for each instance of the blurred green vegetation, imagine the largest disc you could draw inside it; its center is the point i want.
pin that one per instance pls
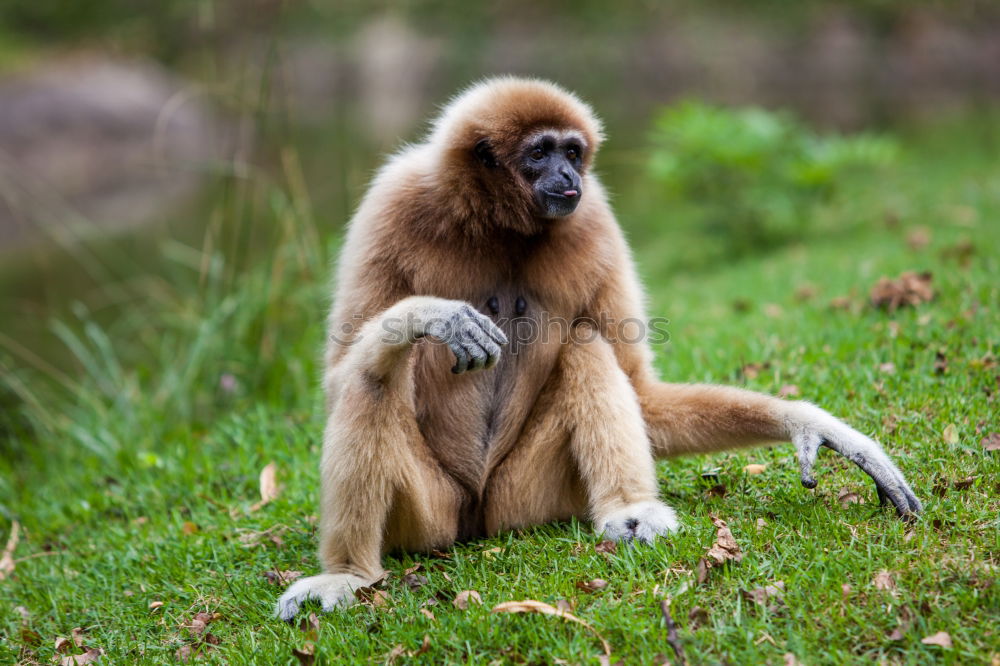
(753, 179)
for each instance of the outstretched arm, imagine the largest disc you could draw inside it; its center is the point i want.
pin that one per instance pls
(696, 418)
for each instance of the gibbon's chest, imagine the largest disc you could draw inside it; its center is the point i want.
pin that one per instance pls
(471, 420)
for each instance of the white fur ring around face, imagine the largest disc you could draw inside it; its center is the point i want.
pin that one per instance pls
(642, 521)
(331, 590)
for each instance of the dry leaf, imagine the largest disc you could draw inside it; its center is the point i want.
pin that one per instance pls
(788, 391)
(309, 623)
(88, 657)
(918, 238)
(305, 654)
(153, 605)
(752, 370)
(940, 363)
(414, 569)
(269, 488)
(491, 552)
(371, 596)
(532, 606)
(884, 581)
(963, 484)
(281, 578)
(415, 581)
(702, 569)
(888, 368)
(905, 619)
(805, 292)
(940, 638)
(754, 468)
(846, 497)
(188, 528)
(725, 548)
(718, 490)
(761, 524)
(840, 303)
(428, 614)
(950, 434)
(909, 288)
(77, 634)
(845, 590)
(463, 598)
(991, 442)
(762, 595)
(7, 558)
(564, 606)
(592, 585)
(697, 617)
(63, 644)
(607, 547)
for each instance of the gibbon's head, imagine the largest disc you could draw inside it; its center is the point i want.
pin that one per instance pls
(522, 144)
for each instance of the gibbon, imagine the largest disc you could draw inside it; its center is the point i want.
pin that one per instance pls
(439, 429)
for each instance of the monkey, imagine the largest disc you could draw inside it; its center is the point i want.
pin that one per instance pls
(439, 428)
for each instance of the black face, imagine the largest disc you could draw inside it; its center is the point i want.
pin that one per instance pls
(552, 165)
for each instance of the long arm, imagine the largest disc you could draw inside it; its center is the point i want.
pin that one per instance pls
(697, 418)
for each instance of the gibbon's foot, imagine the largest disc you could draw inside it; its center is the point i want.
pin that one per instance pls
(812, 427)
(472, 337)
(331, 590)
(642, 521)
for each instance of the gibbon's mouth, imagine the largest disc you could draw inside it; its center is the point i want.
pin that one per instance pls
(565, 194)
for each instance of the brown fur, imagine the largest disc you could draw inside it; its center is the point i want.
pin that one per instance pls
(416, 457)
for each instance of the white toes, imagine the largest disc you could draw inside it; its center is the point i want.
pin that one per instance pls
(331, 590)
(643, 521)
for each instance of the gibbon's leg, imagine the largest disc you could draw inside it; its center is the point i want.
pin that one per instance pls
(583, 451)
(697, 418)
(381, 486)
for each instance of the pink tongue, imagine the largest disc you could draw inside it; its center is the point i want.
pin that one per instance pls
(570, 193)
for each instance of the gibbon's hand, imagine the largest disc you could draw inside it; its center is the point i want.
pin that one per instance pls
(472, 337)
(811, 427)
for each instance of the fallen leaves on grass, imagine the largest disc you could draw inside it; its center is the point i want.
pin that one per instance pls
(532, 606)
(273, 534)
(88, 657)
(805, 292)
(991, 442)
(606, 547)
(763, 595)
(905, 620)
(305, 654)
(465, 597)
(401, 651)
(426, 612)
(718, 490)
(725, 549)
(697, 617)
(592, 585)
(841, 303)
(7, 558)
(761, 524)
(754, 468)
(282, 578)
(910, 288)
(884, 581)
(371, 596)
(846, 497)
(414, 580)
(269, 488)
(188, 528)
(153, 605)
(941, 638)
(918, 238)
(950, 434)
(753, 370)
(199, 623)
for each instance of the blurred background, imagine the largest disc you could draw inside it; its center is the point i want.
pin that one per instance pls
(174, 175)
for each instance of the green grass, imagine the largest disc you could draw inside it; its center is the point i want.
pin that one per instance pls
(132, 473)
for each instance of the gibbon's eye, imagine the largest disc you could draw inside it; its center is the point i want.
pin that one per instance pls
(537, 154)
(572, 154)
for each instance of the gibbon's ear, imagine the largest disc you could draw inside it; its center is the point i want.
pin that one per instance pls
(484, 153)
